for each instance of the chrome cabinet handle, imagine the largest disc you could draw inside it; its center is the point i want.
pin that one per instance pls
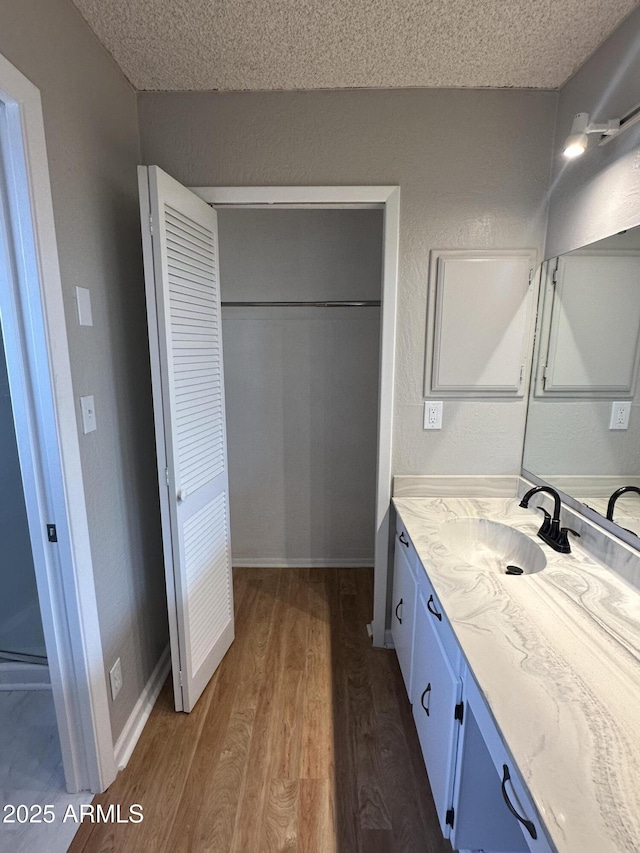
(426, 690)
(398, 605)
(528, 825)
(433, 610)
(404, 541)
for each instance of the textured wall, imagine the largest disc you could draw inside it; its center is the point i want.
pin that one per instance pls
(598, 194)
(473, 167)
(20, 622)
(301, 384)
(92, 141)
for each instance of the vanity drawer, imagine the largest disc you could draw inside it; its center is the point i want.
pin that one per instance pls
(514, 792)
(439, 619)
(404, 544)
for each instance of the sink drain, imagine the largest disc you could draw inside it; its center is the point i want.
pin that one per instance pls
(514, 570)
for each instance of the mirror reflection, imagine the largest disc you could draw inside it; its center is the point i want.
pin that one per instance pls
(583, 422)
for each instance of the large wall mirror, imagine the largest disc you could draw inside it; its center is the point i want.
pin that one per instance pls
(583, 421)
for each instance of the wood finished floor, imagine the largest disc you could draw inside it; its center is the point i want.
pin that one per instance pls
(303, 741)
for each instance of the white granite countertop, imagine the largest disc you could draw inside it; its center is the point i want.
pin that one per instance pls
(557, 656)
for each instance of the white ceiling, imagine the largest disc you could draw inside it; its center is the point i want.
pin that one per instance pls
(335, 44)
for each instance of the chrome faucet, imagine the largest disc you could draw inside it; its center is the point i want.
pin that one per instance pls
(551, 532)
(614, 497)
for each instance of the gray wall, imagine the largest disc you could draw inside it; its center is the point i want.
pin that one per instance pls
(473, 167)
(599, 193)
(301, 384)
(20, 622)
(92, 141)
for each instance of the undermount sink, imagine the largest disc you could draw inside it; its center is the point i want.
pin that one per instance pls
(491, 545)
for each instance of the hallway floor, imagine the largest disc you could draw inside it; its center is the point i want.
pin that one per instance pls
(303, 741)
(31, 774)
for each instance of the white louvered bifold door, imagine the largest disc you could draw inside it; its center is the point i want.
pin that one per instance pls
(180, 239)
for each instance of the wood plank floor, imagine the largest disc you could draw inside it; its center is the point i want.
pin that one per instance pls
(303, 741)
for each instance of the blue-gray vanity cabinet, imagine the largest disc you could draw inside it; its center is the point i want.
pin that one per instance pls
(480, 798)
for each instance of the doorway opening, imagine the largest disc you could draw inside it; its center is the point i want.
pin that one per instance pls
(300, 293)
(23, 654)
(386, 199)
(47, 491)
(182, 263)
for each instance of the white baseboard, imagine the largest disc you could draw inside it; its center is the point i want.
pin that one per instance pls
(132, 730)
(24, 676)
(388, 639)
(279, 563)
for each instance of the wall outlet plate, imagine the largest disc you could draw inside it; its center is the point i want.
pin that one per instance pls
(88, 409)
(115, 677)
(620, 415)
(432, 414)
(83, 300)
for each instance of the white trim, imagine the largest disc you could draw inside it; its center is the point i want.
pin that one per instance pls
(303, 563)
(389, 198)
(42, 393)
(24, 676)
(158, 420)
(132, 730)
(388, 639)
(363, 205)
(296, 196)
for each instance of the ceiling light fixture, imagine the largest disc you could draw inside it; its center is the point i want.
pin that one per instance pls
(576, 142)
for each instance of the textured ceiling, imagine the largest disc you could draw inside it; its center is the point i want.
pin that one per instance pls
(335, 44)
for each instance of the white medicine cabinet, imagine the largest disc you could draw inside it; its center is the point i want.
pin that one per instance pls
(493, 359)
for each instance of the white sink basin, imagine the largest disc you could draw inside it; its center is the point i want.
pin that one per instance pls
(491, 545)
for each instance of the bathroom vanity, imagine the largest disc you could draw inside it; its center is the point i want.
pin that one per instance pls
(525, 687)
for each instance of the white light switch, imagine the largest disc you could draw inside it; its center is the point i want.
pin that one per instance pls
(620, 415)
(83, 298)
(88, 409)
(433, 414)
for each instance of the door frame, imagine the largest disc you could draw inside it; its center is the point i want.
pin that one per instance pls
(37, 354)
(386, 198)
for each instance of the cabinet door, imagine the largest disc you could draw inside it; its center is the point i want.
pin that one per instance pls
(403, 612)
(482, 822)
(436, 692)
(494, 356)
(514, 803)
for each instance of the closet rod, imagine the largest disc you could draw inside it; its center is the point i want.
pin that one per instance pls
(372, 303)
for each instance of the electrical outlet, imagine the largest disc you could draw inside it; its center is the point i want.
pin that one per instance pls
(620, 415)
(432, 414)
(115, 677)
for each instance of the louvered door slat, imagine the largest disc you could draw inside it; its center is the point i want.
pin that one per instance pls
(191, 388)
(182, 239)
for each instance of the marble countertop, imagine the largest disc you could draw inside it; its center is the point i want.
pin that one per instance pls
(626, 511)
(557, 656)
